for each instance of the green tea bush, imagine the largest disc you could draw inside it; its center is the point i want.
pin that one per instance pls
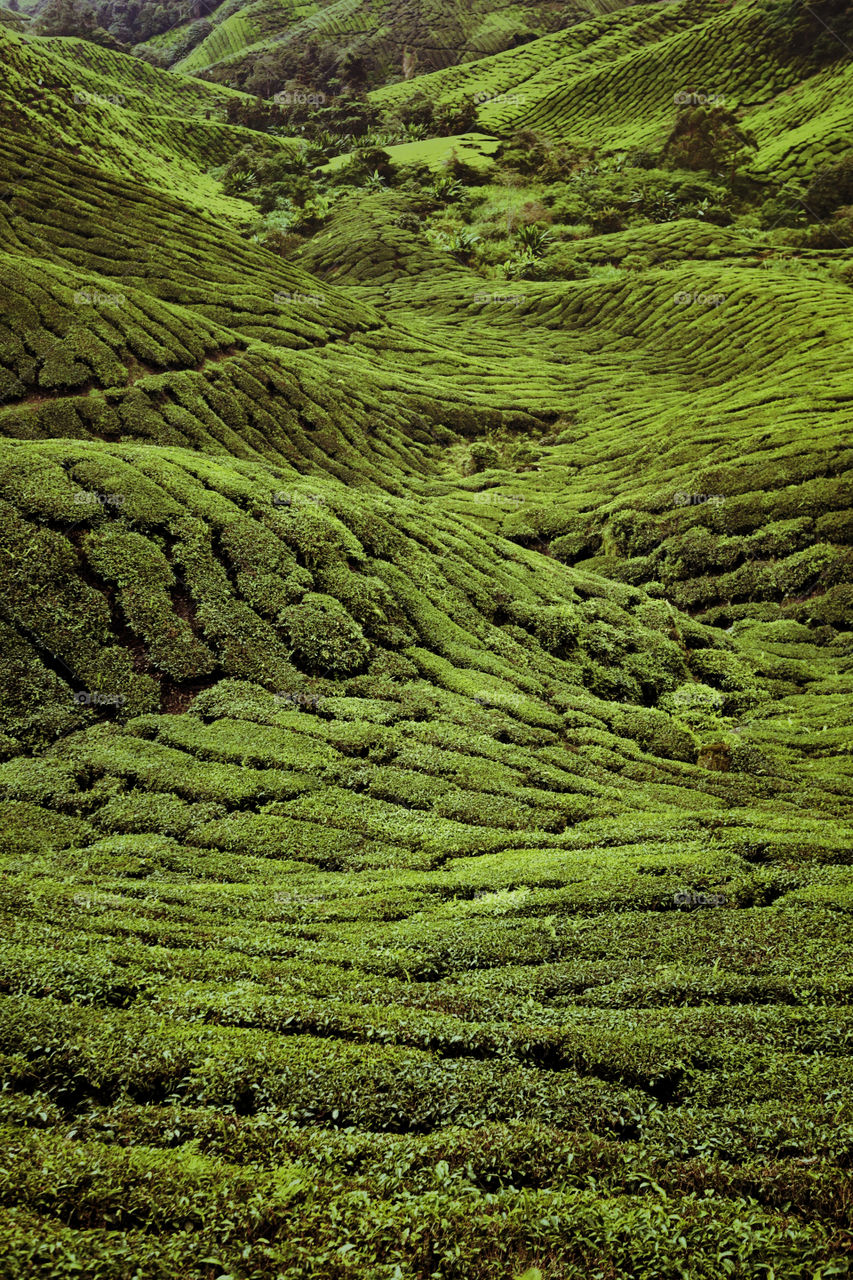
(324, 637)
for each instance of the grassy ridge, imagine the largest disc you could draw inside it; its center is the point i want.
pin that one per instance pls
(611, 82)
(238, 33)
(120, 115)
(435, 34)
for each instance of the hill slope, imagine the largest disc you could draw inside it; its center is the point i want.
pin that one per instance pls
(425, 732)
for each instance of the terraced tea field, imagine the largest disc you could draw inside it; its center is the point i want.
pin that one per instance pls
(425, 732)
(435, 33)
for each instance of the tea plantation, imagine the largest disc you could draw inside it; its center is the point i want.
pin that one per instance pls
(426, 806)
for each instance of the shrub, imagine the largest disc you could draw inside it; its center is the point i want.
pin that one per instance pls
(559, 262)
(655, 732)
(534, 239)
(324, 637)
(607, 221)
(635, 532)
(837, 234)
(707, 138)
(481, 457)
(557, 628)
(577, 543)
(640, 159)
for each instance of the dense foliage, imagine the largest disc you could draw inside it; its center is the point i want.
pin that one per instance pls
(426, 658)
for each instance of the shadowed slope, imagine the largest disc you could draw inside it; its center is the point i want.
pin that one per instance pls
(612, 82)
(376, 33)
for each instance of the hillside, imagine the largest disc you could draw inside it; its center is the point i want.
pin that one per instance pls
(426, 657)
(364, 41)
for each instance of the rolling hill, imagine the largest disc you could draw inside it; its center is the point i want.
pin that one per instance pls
(426, 657)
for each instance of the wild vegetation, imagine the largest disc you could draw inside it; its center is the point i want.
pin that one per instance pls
(425, 728)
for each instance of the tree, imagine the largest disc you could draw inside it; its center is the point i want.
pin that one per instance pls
(831, 187)
(74, 18)
(707, 137)
(66, 18)
(819, 31)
